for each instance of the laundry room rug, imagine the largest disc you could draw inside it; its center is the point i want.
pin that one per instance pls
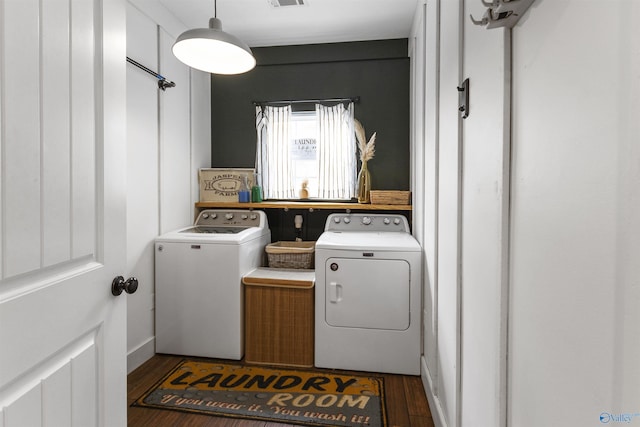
(270, 394)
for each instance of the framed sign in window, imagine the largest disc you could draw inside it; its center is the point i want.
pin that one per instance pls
(222, 185)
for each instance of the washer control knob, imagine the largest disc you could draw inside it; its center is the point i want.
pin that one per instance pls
(228, 216)
(366, 220)
(347, 220)
(253, 216)
(214, 215)
(396, 221)
(205, 216)
(245, 216)
(336, 219)
(386, 221)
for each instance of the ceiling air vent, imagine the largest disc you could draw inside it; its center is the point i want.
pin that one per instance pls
(279, 3)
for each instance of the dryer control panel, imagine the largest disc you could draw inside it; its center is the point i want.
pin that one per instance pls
(367, 222)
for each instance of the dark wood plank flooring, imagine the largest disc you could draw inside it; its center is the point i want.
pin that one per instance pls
(405, 400)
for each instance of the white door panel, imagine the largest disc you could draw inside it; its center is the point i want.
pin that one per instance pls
(55, 138)
(61, 391)
(364, 293)
(83, 176)
(62, 212)
(20, 123)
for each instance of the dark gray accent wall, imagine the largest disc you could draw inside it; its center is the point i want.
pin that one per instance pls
(376, 71)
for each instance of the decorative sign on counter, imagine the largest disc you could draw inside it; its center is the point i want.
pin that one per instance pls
(222, 185)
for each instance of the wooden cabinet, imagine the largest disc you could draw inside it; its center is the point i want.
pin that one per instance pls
(279, 317)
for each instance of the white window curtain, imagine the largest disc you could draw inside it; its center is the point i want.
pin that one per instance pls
(336, 152)
(273, 162)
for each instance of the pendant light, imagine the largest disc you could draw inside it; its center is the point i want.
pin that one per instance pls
(212, 50)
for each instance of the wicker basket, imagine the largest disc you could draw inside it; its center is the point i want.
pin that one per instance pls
(291, 254)
(390, 197)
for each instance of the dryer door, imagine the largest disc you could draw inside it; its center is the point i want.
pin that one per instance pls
(367, 293)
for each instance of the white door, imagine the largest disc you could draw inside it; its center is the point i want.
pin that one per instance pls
(62, 212)
(367, 293)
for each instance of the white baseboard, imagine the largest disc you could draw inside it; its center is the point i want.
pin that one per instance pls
(141, 354)
(434, 403)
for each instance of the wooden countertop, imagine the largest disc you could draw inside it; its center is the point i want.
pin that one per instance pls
(303, 205)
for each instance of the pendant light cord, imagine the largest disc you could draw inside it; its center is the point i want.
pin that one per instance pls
(215, 8)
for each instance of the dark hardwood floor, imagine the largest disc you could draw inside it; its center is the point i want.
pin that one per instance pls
(405, 400)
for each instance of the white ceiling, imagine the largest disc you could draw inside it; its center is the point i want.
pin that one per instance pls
(257, 23)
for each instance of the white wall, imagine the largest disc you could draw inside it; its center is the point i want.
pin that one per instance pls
(429, 242)
(484, 227)
(168, 141)
(448, 213)
(417, 91)
(575, 328)
(176, 206)
(142, 181)
(438, 24)
(531, 238)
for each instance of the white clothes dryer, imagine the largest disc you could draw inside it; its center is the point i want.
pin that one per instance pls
(199, 294)
(368, 294)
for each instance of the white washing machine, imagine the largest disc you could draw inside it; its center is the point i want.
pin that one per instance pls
(199, 293)
(368, 294)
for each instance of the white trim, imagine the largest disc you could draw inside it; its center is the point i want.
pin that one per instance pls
(505, 285)
(437, 414)
(18, 286)
(141, 354)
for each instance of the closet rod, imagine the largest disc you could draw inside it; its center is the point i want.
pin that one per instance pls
(305, 101)
(163, 83)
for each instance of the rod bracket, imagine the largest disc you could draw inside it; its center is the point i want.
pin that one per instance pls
(463, 99)
(163, 83)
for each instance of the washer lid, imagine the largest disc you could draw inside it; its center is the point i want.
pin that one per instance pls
(189, 235)
(358, 241)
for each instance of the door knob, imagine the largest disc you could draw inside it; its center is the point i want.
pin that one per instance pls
(119, 284)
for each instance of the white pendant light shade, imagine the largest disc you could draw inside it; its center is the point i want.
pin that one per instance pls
(214, 51)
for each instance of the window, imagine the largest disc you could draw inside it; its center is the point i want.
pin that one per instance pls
(311, 149)
(303, 146)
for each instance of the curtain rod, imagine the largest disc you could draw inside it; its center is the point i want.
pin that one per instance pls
(306, 101)
(163, 83)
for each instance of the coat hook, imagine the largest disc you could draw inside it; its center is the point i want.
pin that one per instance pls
(483, 21)
(491, 16)
(500, 15)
